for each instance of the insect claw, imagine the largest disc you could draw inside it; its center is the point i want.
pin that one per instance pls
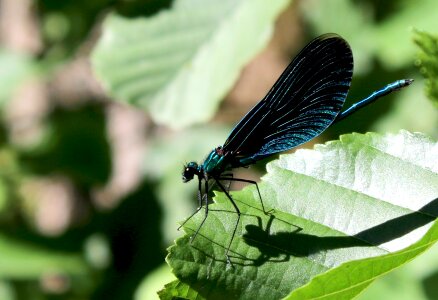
(269, 212)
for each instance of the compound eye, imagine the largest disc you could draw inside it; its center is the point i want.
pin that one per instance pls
(187, 175)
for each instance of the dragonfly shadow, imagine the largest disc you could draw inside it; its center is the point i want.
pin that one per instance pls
(281, 246)
(400, 226)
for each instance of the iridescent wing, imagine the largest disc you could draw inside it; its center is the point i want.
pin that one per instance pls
(303, 102)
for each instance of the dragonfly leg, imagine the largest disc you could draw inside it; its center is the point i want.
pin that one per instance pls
(229, 177)
(252, 182)
(237, 221)
(199, 204)
(205, 197)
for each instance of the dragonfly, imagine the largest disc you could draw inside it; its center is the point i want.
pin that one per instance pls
(306, 99)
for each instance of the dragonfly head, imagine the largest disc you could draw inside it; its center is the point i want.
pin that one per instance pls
(190, 170)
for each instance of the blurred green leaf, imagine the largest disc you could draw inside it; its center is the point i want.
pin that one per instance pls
(404, 113)
(351, 20)
(428, 62)
(6, 291)
(407, 282)
(179, 63)
(9, 176)
(15, 68)
(375, 213)
(392, 39)
(388, 40)
(3, 196)
(19, 260)
(153, 283)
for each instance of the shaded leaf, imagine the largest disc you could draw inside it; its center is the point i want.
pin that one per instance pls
(365, 205)
(179, 63)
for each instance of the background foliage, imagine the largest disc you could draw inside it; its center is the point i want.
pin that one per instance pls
(90, 189)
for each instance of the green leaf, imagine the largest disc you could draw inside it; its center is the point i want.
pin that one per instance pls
(332, 16)
(179, 63)
(392, 39)
(153, 282)
(20, 260)
(415, 280)
(365, 205)
(428, 62)
(400, 116)
(179, 290)
(388, 40)
(6, 291)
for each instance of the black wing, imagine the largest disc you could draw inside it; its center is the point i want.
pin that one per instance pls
(303, 102)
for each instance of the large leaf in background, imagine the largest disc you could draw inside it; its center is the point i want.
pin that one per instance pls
(389, 40)
(365, 204)
(179, 63)
(428, 62)
(19, 260)
(14, 69)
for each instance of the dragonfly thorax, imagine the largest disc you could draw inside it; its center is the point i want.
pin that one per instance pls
(215, 163)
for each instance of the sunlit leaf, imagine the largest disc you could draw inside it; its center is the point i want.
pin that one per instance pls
(366, 205)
